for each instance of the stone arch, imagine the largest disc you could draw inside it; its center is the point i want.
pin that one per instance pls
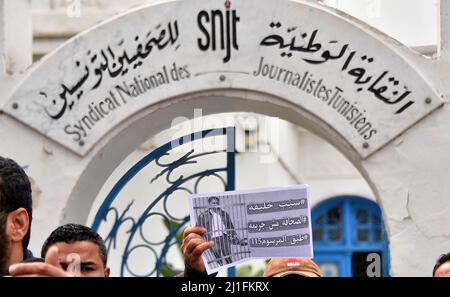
(124, 143)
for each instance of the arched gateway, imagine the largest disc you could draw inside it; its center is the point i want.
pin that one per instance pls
(107, 90)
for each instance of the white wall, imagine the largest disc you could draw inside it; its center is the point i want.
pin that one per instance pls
(15, 36)
(412, 22)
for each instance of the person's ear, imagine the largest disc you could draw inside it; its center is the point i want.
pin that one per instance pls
(107, 271)
(17, 224)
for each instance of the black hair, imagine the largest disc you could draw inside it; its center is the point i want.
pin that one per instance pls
(442, 259)
(71, 233)
(213, 198)
(15, 192)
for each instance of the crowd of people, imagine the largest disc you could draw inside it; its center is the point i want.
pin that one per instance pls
(77, 250)
(70, 250)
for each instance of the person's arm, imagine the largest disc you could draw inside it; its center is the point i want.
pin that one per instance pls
(190, 272)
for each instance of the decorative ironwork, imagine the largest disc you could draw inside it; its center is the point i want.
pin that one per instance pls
(124, 227)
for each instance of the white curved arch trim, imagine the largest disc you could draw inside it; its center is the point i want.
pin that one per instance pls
(342, 73)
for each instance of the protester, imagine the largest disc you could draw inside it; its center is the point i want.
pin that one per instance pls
(442, 267)
(15, 215)
(292, 267)
(194, 245)
(70, 250)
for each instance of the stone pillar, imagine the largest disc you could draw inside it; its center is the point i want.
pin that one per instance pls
(444, 48)
(16, 36)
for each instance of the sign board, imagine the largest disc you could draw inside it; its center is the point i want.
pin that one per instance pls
(299, 51)
(245, 225)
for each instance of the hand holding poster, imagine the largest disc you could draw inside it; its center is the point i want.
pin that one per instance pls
(245, 225)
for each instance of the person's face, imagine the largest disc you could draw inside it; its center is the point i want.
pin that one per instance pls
(4, 242)
(214, 202)
(443, 270)
(91, 264)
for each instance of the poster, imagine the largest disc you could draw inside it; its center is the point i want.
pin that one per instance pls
(254, 224)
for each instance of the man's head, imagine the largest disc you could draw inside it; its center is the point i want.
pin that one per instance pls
(85, 243)
(292, 267)
(15, 213)
(213, 201)
(442, 267)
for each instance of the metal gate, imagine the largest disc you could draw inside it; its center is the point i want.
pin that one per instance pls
(121, 223)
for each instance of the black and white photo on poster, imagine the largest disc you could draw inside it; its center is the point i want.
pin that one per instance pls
(252, 224)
